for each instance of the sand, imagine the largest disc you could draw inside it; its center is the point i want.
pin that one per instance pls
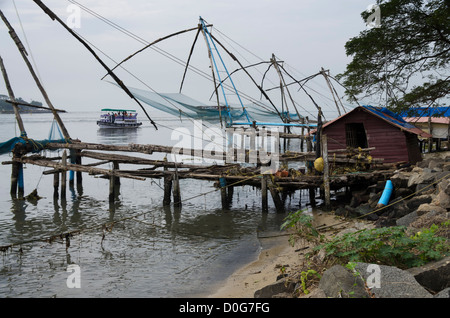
(276, 252)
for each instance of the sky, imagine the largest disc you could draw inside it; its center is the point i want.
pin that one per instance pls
(305, 34)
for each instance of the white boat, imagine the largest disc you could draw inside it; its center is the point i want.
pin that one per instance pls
(118, 118)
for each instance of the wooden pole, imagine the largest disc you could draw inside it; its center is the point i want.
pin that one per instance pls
(279, 206)
(176, 190)
(264, 203)
(312, 197)
(111, 188)
(33, 74)
(63, 175)
(223, 193)
(167, 189)
(14, 179)
(13, 99)
(326, 177)
(110, 72)
(78, 162)
(55, 185)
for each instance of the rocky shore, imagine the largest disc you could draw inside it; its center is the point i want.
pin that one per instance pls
(421, 198)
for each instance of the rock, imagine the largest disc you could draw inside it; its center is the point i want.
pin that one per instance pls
(435, 163)
(339, 282)
(428, 207)
(341, 211)
(364, 209)
(315, 293)
(399, 208)
(407, 219)
(445, 293)
(403, 192)
(281, 286)
(393, 282)
(442, 199)
(416, 201)
(435, 275)
(400, 180)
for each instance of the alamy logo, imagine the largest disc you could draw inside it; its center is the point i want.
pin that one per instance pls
(374, 279)
(74, 279)
(374, 20)
(232, 145)
(74, 19)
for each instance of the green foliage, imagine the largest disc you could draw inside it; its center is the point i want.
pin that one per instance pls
(304, 278)
(406, 59)
(389, 246)
(302, 225)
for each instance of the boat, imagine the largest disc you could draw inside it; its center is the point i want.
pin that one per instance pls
(118, 118)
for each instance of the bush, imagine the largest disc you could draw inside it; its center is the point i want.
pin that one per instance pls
(388, 246)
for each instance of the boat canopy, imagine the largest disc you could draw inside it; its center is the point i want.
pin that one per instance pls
(118, 110)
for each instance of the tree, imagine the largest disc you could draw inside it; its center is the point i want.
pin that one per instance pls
(404, 61)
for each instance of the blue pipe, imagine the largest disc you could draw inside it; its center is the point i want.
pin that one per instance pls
(386, 193)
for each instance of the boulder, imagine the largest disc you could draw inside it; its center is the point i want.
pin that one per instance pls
(416, 201)
(435, 276)
(443, 294)
(393, 282)
(400, 180)
(407, 219)
(429, 207)
(282, 286)
(339, 282)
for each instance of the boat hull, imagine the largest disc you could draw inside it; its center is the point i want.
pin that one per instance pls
(109, 125)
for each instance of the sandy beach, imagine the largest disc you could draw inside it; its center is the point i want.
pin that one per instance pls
(276, 253)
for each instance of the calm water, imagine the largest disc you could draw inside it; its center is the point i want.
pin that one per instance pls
(163, 252)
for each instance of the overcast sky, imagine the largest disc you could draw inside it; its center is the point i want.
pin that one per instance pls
(305, 34)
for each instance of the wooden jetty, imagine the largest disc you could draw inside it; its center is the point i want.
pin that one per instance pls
(225, 176)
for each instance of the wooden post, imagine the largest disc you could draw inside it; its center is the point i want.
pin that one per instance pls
(279, 206)
(14, 179)
(176, 190)
(326, 177)
(71, 172)
(116, 179)
(63, 175)
(55, 185)
(79, 173)
(167, 187)
(223, 193)
(312, 197)
(111, 189)
(264, 201)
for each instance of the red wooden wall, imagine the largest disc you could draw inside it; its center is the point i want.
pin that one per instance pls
(390, 142)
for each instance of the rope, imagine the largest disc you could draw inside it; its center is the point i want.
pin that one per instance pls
(408, 196)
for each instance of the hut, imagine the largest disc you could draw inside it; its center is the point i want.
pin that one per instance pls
(433, 120)
(393, 138)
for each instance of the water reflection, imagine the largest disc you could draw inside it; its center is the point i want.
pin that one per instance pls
(118, 136)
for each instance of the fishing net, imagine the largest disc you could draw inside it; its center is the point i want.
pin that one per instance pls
(55, 136)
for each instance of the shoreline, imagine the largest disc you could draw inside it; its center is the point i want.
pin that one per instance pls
(277, 255)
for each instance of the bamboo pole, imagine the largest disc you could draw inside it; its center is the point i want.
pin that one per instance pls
(264, 201)
(63, 175)
(167, 187)
(176, 190)
(13, 99)
(90, 170)
(326, 176)
(33, 74)
(110, 72)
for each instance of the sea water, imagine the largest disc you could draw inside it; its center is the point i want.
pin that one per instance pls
(151, 251)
